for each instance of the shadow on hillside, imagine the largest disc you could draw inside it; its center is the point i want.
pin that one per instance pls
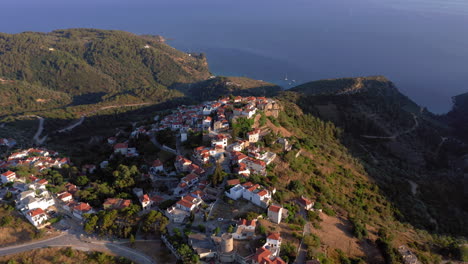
(87, 99)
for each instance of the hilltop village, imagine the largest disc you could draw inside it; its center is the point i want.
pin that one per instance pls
(202, 193)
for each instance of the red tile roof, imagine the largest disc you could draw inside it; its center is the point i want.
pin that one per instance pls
(83, 207)
(261, 255)
(233, 182)
(185, 203)
(190, 177)
(145, 198)
(43, 181)
(64, 195)
(35, 212)
(262, 193)
(274, 208)
(247, 223)
(121, 146)
(8, 174)
(305, 201)
(189, 198)
(274, 236)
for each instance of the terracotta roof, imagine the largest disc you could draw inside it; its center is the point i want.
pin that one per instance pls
(121, 146)
(261, 255)
(83, 207)
(274, 236)
(64, 195)
(274, 208)
(233, 182)
(43, 181)
(305, 201)
(190, 177)
(185, 203)
(35, 212)
(247, 223)
(247, 184)
(144, 199)
(189, 198)
(262, 193)
(8, 174)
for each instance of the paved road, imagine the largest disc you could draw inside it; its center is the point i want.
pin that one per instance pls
(75, 240)
(302, 251)
(37, 139)
(158, 145)
(82, 118)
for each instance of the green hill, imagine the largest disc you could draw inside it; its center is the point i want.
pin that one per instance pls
(222, 86)
(18, 96)
(89, 66)
(400, 144)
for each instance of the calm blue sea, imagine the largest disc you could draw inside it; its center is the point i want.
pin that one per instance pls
(422, 45)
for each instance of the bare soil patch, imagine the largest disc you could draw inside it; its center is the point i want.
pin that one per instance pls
(156, 250)
(336, 233)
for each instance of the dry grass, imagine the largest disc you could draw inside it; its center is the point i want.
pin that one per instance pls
(19, 231)
(55, 255)
(336, 233)
(156, 250)
(284, 229)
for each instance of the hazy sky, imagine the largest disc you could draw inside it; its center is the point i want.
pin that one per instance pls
(419, 44)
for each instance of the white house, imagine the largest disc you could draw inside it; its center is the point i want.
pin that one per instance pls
(145, 202)
(275, 213)
(185, 205)
(235, 192)
(253, 135)
(306, 203)
(121, 148)
(219, 140)
(29, 200)
(8, 176)
(182, 163)
(249, 112)
(65, 197)
(82, 208)
(157, 167)
(26, 194)
(183, 136)
(207, 110)
(273, 243)
(263, 256)
(250, 192)
(36, 216)
(245, 229)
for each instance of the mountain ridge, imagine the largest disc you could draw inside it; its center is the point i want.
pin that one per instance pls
(101, 66)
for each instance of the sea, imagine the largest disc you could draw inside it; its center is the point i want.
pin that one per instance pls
(421, 45)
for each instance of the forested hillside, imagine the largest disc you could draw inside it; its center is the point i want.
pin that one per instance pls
(89, 66)
(407, 150)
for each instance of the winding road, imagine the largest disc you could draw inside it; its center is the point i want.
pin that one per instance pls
(82, 118)
(76, 241)
(37, 139)
(394, 136)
